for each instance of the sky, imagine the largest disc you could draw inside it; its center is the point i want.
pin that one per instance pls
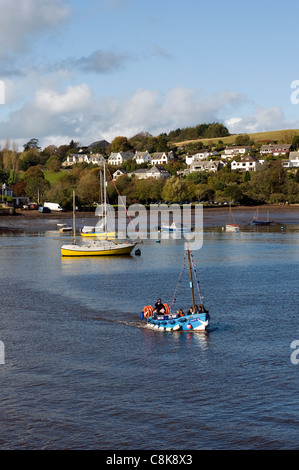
(89, 70)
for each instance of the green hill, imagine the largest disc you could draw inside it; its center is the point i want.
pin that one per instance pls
(282, 136)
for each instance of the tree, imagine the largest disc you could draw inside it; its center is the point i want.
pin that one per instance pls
(36, 184)
(198, 177)
(19, 189)
(175, 190)
(62, 191)
(216, 130)
(53, 163)
(243, 139)
(148, 190)
(246, 176)
(88, 188)
(32, 144)
(120, 144)
(29, 158)
(295, 142)
(161, 143)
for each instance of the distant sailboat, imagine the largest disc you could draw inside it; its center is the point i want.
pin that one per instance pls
(257, 221)
(231, 226)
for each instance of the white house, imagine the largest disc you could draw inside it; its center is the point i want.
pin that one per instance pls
(118, 173)
(247, 163)
(117, 158)
(294, 160)
(74, 158)
(154, 172)
(142, 157)
(96, 158)
(197, 165)
(158, 172)
(230, 152)
(202, 155)
(162, 158)
(71, 159)
(276, 149)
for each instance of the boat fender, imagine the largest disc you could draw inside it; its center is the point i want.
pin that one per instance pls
(189, 326)
(147, 311)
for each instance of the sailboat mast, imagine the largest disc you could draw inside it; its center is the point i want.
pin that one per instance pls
(74, 219)
(191, 279)
(105, 201)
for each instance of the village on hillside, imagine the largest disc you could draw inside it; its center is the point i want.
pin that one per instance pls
(239, 158)
(178, 166)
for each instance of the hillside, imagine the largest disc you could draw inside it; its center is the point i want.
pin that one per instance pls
(279, 136)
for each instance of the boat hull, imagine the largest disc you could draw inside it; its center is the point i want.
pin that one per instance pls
(232, 228)
(260, 222)
(196, 322)
(96, 250)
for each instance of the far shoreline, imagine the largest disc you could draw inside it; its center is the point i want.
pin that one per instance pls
(33, 220)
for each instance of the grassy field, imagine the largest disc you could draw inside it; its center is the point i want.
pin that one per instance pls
(52, 176)
(281, 137)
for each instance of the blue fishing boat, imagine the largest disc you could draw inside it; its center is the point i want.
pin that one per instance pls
(197, 318)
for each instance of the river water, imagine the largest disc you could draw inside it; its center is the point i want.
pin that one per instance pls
(82, 372)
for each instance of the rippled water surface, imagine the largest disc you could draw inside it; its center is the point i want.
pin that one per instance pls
(81, 371)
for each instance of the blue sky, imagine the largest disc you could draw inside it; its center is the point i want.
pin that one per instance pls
(94, 69)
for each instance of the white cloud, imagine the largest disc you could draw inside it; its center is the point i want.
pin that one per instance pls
(74, 98)
(264, 119)
(55, 116)
(20, 20)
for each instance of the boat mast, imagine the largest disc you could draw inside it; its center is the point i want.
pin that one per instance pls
(105, 202)
(191, 279)
(74, 219)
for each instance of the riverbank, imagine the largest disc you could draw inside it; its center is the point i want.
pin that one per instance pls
(32, 220)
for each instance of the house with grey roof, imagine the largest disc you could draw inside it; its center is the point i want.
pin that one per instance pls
(142, 157)
(204, 165)
(276, 149)
(247, 163)
(117, 158)
(162, 158)
(154, 172)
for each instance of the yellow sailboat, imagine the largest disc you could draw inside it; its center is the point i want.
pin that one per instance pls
(98, 248)
(95, 248)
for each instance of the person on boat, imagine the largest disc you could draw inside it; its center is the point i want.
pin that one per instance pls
(193, 310)
(202, 309)
(159, 308)
(180, 313)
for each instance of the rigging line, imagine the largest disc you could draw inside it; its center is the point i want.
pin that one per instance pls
(179, 280)
(124, 206)
(195, 275)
